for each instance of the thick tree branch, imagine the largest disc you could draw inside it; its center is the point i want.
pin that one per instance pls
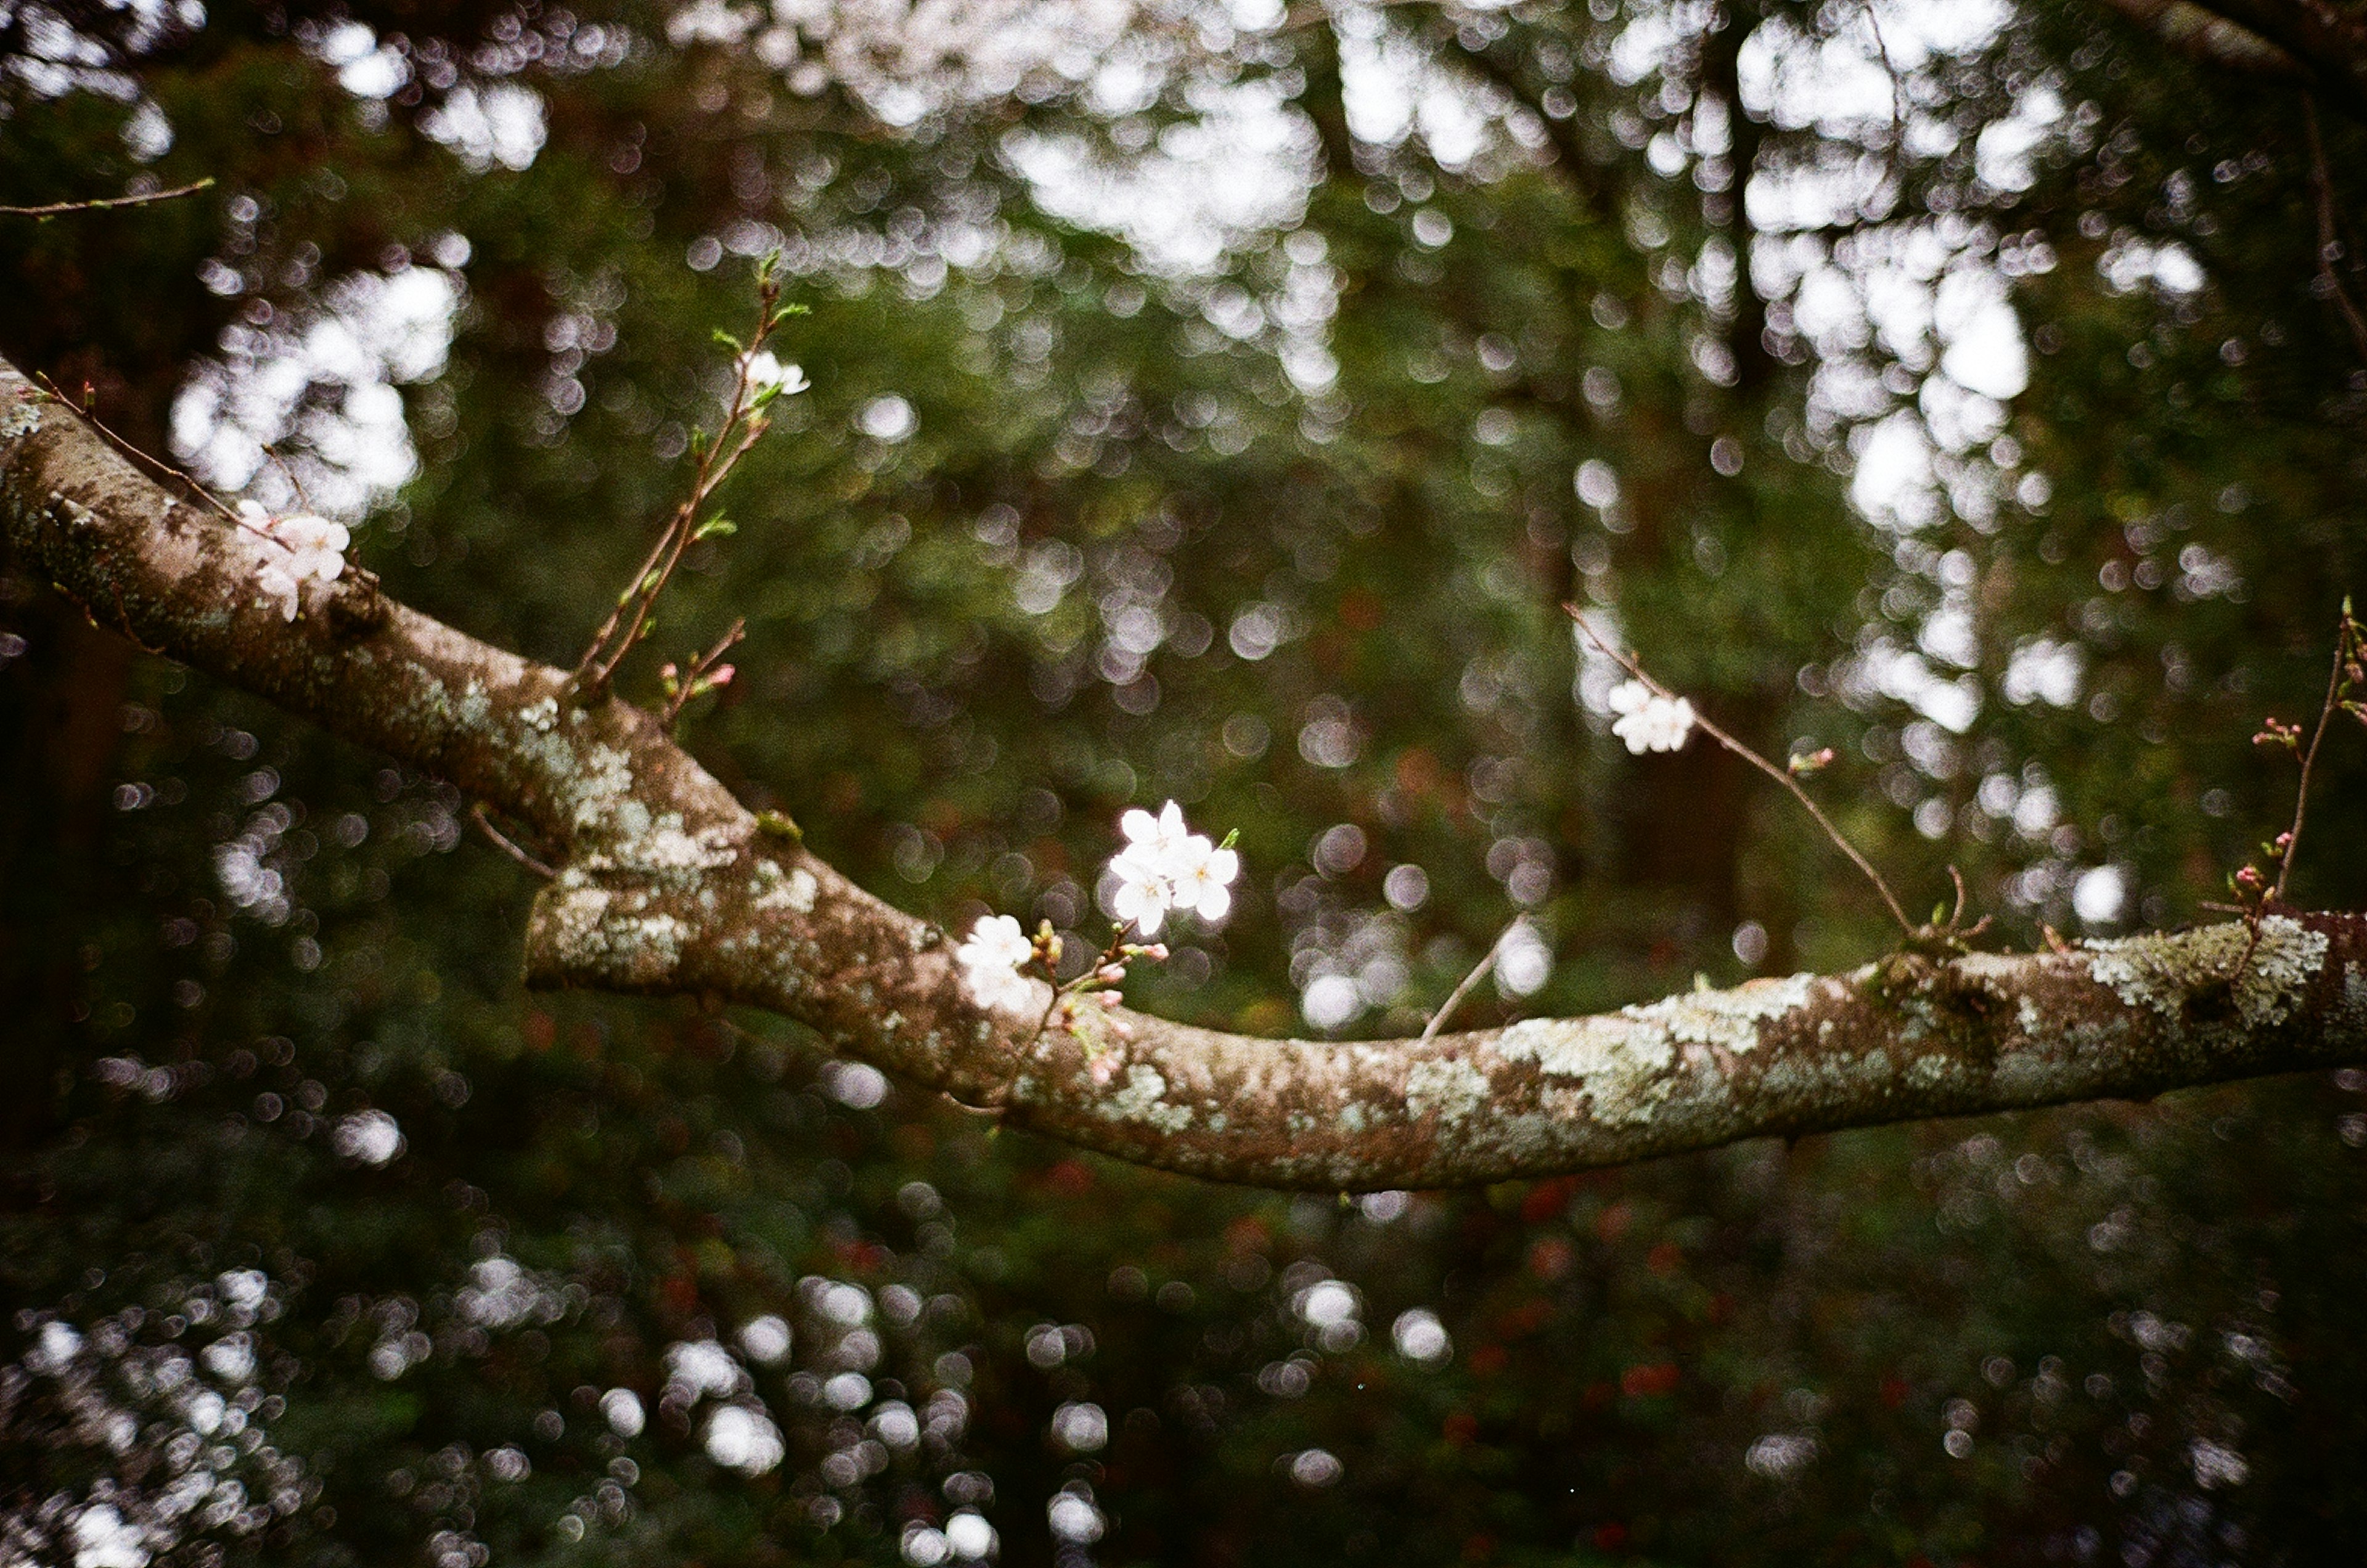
(2309, 42)
(670, 886)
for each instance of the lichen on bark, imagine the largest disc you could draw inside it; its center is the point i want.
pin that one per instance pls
(668, 884)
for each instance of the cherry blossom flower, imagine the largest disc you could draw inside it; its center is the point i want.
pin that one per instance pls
(1647, 721)
(1202, 881)
(296, 548)
(991, 959)
(1167, 867)
(767, 373)
(1143, 893)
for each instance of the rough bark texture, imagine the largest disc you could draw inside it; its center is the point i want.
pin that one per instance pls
(670, 886)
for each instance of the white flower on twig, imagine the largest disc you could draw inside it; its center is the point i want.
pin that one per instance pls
(991, 959)
(1167, 867)
(295, 548)
(767, 373)
(1647, 721)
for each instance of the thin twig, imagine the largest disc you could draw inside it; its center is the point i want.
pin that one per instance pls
(2328, 242)
(1779, 776)
(688, 683)
(57, 209)
(2301, 798)
(1897, 102)
(628, 622)
(132, 451)
(503, 843)
(1455, 997)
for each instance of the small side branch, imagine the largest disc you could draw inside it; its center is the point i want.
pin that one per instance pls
(508, 846)
(2346, 653)
(2329, 243)
(1455, 997)
(58, 208)
(1628, 663)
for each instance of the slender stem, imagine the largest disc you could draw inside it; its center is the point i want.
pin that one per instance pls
(1455, 997)
(56, 208)
(1898, 104)
(1779, 776)
(134, 453)
(503, 844)
(627, 622)
(2326, 239)
(2309, 758)
(698, 670)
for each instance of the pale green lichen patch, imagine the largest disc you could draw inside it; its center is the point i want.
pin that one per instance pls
(22, 420)
(542, 715)
(2163, 974)
(1447, 1084)
(604, 777)
(594, 930)
(1622, 1062)
(791, 890)
(1728, 1019)
(1144, 1099)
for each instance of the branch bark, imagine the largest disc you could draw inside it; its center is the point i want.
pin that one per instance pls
(670, 886)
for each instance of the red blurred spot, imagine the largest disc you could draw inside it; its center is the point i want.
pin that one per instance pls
(1721, 1308)
(1610, 1538)
(1361, 609)
(540, 1030)
(1665, 1260)
(1460, 1427)
(1550, 1258)
(1612, 1221)
(1547, 1199)
(1526, 1319)
(1488, 1361)
(1069, 1178)
(1246, 1235)
(1894, 1391)
(1645, 1382)
(1418, 771)
(1596, 1396)
(681, 1293)
(1479, 1548)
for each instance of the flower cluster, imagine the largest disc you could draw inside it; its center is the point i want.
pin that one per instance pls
(991, 962)
(1648, 721)
(295, 548)
(1167, 867)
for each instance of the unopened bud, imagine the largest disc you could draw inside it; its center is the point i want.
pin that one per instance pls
(1110, 973)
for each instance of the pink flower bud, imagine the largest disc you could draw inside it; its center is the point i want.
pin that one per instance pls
(721, 675)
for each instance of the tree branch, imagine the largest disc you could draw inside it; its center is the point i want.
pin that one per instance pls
(2306, 42)
(670, 886)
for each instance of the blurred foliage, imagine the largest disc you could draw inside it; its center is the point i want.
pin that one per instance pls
(1279, 528)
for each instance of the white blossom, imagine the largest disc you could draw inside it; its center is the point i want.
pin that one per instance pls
(991, 960)
(766, 372)
(1142, 896)
(296, 550)
(1647, 721)
(1167, 867)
